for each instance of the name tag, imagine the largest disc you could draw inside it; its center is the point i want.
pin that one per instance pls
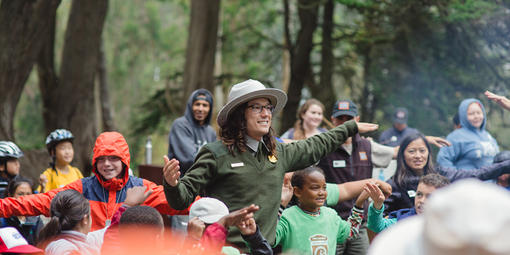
(411, 193)
(338, 163)
(234, 165)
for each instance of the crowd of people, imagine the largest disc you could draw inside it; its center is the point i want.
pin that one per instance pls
(249, 191)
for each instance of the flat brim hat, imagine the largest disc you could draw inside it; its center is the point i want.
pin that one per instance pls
(11, 241)
(248, 90)
(208, 210)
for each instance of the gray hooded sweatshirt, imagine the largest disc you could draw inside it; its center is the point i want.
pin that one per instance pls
(187, 135)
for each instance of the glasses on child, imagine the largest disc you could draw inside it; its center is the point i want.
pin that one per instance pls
(258, 108)
(111, 159)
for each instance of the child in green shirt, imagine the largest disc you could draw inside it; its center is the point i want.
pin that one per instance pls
(310, 227)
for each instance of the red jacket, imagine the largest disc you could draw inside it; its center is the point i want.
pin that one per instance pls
(105, 197)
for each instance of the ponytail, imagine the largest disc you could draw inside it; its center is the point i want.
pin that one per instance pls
(67, 209)
(50, 230)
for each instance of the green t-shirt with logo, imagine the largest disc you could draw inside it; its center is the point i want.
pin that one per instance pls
(301, 233)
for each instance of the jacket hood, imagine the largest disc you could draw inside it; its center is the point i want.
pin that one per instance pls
(188, 114)
(112, 144)
(463, 107)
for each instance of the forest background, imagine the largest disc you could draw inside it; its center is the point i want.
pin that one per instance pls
(97, 65)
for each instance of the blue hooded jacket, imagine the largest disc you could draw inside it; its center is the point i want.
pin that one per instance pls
(471, 148)
(187, 135)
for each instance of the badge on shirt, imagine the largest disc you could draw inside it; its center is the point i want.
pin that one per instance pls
(272, 158)
(234, 165)
(411, 193)
(363, 155)
(338, 163)
(319, 244)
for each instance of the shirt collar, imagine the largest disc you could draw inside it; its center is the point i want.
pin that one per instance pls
(253, 144)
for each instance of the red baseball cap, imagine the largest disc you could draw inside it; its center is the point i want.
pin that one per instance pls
(12, 241)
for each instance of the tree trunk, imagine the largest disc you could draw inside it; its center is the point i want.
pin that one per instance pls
(324, 92)
(201, 48)
(22, 23)
(300, 59)
(104, 93)
(69, 101)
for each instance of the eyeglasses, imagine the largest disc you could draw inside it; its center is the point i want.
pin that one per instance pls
(103, 159)
(258, 108)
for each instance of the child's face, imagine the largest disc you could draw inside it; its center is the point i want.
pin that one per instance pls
(12, 167)
(313, 193)
(422, 194)
(22, 190)
(64, 152)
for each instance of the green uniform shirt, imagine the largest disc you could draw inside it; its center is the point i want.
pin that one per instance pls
(300, 233)
(246, 179)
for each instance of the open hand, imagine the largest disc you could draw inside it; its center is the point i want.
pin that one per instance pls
(136, 195)
(364, 127)
(376, 194)
(171, 171)
(437, 141)
(238, 216)
(287, 190)
(501, 100)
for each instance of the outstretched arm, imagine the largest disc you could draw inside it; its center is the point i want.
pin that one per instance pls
(351, 190)
(501, 100)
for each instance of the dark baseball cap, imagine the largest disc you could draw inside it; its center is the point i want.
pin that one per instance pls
(400, 115)
(344, 107)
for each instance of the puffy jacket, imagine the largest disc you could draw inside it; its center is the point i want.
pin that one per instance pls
(105, 196)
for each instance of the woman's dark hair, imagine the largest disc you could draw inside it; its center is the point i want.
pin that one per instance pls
(15, 183)
(67, 209)
(233, 131)
(299, 131)
(404, 172)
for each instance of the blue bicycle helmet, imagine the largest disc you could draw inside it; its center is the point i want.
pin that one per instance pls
(57, 136)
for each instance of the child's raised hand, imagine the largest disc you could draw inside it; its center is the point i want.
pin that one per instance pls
(42, 181)
(196, 228)
(384, 187)
(136, 195)
(247, 227)
(376, 194)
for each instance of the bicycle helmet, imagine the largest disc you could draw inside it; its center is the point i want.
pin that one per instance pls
(58, 136)
(9, 150)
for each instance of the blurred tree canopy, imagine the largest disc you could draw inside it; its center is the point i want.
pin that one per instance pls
(423, 55)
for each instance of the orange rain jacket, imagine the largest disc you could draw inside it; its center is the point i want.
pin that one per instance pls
(105, 196)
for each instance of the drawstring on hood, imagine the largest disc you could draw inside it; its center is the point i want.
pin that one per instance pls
(112, 144)
(196, 95)
(463, 107)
